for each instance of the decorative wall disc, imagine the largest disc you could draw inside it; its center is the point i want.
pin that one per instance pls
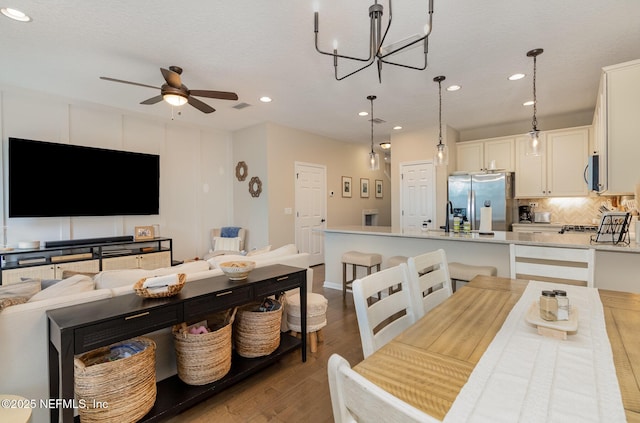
(241, 171)
(255, 186)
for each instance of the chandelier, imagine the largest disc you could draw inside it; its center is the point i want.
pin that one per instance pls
(378, 53)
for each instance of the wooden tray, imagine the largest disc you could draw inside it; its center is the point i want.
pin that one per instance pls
(557, 329)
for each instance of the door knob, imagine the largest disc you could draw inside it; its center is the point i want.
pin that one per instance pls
(322, 220)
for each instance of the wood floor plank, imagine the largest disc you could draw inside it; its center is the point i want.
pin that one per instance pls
(289, 390)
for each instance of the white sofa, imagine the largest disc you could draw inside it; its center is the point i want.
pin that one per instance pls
(24, 339)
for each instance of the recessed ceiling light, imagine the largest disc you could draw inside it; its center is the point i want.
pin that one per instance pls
(363, 114)
(15, 14)
(528, 103)
(516, 76)
(397, 128)
(265, 99)
(453, 87)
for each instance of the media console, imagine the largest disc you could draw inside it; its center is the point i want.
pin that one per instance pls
(84, 255)
(77, 329)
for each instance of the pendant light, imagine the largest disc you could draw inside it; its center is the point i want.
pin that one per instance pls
(534, 147)
(442, 151)
(374, 158)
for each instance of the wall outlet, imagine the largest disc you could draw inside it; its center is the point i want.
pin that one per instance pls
(533, 205)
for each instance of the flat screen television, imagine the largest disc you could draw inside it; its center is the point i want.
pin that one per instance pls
(49, 179)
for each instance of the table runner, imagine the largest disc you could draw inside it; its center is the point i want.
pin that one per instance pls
(526, 377)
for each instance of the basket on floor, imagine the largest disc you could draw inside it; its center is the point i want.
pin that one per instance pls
(257, 333)
(206, 357)
(171, 290)
(122, 390)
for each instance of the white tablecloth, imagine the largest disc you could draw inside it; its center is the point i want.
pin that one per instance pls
(526, 377)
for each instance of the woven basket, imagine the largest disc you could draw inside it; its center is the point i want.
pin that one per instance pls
(126, 387)
(256, 333)
(171, 291)
(206, 357)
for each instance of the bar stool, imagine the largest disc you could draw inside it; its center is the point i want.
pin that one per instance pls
(466, 272)
(316, 317)
(392, 262)
(356, 258)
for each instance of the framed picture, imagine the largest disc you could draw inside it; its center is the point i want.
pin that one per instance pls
(378, 188)
(364, 187)
(346, 186)
(144, 232)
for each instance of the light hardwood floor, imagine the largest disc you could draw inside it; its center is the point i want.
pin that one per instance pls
(289, 390)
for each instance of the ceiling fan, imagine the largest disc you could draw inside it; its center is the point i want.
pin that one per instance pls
(176, 93)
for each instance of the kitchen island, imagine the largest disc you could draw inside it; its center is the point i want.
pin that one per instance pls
(617, 267)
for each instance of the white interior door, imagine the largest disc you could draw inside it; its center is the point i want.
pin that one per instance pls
(310, 210)
(418, 194)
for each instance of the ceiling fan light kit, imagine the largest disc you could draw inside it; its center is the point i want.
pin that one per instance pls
(176, 93)
(377, 53)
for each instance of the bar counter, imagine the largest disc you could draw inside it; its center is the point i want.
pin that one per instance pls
(617, 266)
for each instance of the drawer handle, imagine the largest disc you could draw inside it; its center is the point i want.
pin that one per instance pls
(284, 278)
(224, 293)
(135, 316)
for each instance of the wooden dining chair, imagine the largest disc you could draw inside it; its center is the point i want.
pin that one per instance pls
(381, 320)
(430, 281)
(355, 397)
(569, 265)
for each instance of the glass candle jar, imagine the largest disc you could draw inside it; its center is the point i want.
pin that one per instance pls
(563, 304)
(548, 306)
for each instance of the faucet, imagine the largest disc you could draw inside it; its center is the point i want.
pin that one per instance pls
(447, 211)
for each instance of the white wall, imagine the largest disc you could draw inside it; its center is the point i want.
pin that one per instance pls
(195, 176)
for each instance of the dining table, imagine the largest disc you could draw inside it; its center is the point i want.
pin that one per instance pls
(428, 364)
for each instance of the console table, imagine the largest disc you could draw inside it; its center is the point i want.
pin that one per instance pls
(77, 329)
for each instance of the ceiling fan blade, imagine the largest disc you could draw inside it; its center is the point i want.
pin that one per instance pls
(172, 78)
(128, 82)
(223, 95)
(200, 105)
(152, 100)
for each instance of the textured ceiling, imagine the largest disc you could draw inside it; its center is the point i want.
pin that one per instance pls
(262, 47)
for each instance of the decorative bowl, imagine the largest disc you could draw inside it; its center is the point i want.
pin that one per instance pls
(237, 270)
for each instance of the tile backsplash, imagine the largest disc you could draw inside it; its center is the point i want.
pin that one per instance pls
(576, 211)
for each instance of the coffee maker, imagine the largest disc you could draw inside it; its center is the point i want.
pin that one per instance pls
(525, 215)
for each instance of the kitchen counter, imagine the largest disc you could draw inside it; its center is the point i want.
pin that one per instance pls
(617, 266)
(547, 239)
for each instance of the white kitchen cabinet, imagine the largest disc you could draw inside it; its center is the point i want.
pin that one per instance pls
(559, 171)
(470, 156)
(617, 125)
(49, 271)
(478, 155)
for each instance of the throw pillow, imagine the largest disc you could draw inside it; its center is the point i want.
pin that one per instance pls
(26, 288)
(72, 285)
(8, 302)
(258, 251)
(226, 244)
(68, 273)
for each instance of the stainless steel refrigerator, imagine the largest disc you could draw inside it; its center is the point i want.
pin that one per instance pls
(469, 192)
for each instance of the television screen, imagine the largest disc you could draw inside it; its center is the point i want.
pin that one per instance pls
(50, 179)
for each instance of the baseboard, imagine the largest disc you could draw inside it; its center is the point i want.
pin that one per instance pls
(333, 285)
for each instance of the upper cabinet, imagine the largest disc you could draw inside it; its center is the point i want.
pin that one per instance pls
(559, 171)
(497, 153)
(616, 127)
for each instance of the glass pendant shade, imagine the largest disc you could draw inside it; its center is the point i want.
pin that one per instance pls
(374, 161)
(442, 155)
(534, 146)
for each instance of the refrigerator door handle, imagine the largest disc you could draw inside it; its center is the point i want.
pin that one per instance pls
(472, 209)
